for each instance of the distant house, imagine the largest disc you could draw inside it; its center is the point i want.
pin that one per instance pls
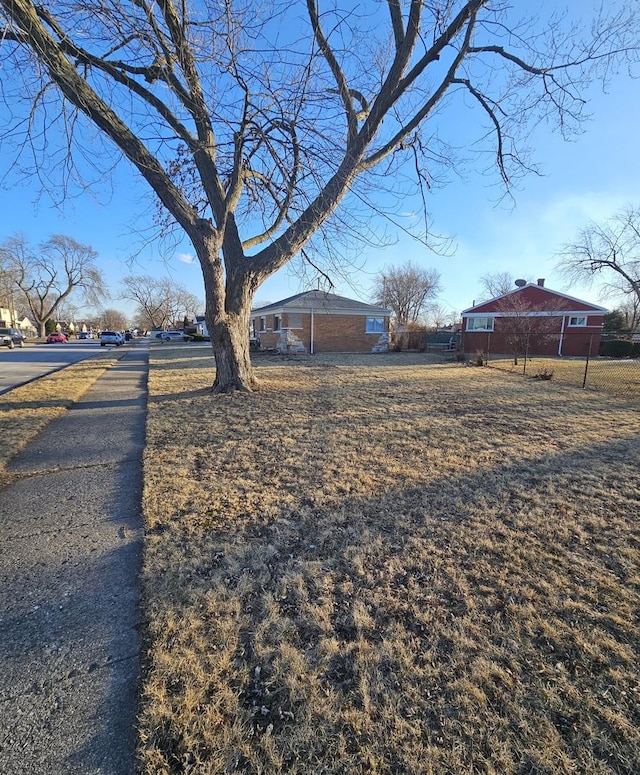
(198, 326)
(316, 322)
(535, 320)
(27, 327)
(7, 316)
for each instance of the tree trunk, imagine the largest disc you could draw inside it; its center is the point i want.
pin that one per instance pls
(227, 314)
(230, 341)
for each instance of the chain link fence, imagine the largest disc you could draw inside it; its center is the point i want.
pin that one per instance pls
(591, 371)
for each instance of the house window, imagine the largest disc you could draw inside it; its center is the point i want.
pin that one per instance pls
(480, 324)
(374, 326)
(578, 320)
(276, 322)
(263, 324)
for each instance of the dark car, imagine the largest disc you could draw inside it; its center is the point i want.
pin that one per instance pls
(10, 337)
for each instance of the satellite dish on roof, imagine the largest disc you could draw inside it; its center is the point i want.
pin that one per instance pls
(521, 283)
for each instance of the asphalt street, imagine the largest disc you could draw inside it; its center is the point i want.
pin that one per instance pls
(71, 544)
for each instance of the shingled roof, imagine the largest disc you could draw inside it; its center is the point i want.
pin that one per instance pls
(320, 301)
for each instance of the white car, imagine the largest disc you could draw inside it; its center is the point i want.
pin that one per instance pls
(111, 337)
(168, 336)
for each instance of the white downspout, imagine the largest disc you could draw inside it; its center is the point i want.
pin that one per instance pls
(311, 343)
(564, 317)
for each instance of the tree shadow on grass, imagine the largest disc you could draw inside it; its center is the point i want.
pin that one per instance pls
(485, 615)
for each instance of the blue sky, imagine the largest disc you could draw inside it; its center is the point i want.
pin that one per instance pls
(588, 178)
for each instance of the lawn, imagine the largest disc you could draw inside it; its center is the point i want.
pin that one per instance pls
(620, 376)
(388, 567)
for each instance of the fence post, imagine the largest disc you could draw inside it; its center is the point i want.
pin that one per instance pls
(586, 365)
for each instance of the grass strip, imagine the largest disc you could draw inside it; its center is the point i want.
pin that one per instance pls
(618, 376)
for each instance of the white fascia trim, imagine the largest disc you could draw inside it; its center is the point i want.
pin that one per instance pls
(375, 313)
(595, 309)
(525, 314)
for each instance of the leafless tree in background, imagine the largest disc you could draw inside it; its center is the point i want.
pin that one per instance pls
(439, 316)
(44, 277)
(112, 320)
(497, 284)
(608, 252)
(252, 137)
(630, 308)
(160, 303)
(407, 290)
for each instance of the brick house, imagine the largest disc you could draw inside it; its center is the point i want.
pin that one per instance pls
(316, 322)
(533, 320)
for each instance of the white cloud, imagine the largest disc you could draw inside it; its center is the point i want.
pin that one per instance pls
(186, 258)
(573, 212)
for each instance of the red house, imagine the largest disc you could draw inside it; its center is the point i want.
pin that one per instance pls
(533, 320)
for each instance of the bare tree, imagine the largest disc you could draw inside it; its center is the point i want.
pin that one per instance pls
(523, 327)
(439, 316)
(112, 319)
(609, 252)
(630, 308)
(67, 314)
(251, 138)
(160, 302)
(497, 284)
(45, 277)
(406, 290)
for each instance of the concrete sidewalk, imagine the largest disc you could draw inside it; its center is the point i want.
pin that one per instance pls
(71, 545)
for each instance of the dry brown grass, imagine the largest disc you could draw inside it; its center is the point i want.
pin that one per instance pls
(618, 376)
(27, 410)
(388, 569)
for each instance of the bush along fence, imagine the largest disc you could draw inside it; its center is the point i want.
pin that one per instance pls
(612, 365)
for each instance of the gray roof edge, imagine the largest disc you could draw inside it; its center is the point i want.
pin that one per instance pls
(321, 302)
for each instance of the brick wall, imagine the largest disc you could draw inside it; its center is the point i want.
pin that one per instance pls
(340, 333)
(331, 333)
(576, 341)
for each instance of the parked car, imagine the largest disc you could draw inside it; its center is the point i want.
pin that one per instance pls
(57, 337)
(85, 335)
(168, 336)
(10, 337)
(111, 337)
